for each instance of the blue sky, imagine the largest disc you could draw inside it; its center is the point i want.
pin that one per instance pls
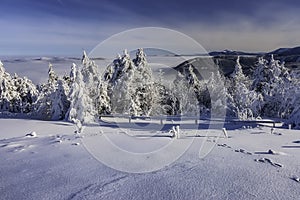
(66, 27)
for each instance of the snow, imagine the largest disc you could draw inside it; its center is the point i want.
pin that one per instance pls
(141, 152)
(249, 164)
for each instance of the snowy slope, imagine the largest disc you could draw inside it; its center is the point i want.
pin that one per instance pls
(56, 165)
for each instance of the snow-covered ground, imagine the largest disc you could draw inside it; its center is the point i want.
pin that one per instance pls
(51, 162)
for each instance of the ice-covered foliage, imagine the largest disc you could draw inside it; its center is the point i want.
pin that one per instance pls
(273, 81)
(130, 84)
(183, 90)
(44, 105)
(243, 102)
(17, 94)
(81, 105)
(292, 101)
(60, 102)
(217, 94)
(238, 74)
(95, 88)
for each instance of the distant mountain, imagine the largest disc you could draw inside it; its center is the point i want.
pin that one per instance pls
(226, 60)
(286, 51)
(233, 53)
(290, 56)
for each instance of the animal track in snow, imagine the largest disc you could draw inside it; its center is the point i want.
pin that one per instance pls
(224, 145)
(243, 151)
(295, 178)
(267, 160)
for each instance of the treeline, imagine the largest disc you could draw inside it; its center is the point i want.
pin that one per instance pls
(129, 87)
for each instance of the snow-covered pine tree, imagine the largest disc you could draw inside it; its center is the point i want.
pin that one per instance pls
(97, 90)
(60, 102)
(73, 74)
(143, 94)
(52, 77)
(243, 102)
(119, 76)
(237, 73)
(103, 106)
(130, 84)
(5, 89)
(81, 105)
(17, 95)
(43, 107)
(27, 93)
(185, 94)
(272, 80)
(89, 73)
(163, 97)
(217, 94)
(292, 101)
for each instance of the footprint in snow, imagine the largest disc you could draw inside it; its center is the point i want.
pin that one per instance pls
(267, 160)
(243, 151)
(295, 178)
(224, 145)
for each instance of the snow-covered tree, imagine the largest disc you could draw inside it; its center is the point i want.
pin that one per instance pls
(130, 85)
(27, 93)
(103, 100)
(81, 105)
(272, 80)
(292, 101)
(143, 94)
(17, 95)
(164, 100)
(119, 77)
(237, 75)
(96, 90)
(60, 103)
(73, 74)
(52, 77)
(217, 93)
(243, 102)
(43, 107)
(5, 89)
(186, 96)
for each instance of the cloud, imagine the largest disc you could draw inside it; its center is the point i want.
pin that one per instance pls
(58, 27)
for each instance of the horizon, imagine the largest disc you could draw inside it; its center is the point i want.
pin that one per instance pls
(79, 54)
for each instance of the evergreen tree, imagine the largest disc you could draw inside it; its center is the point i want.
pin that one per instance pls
(44, 105)
(81, 105)
(217, 93)
(143, 87)
(5, 89)
(185, 94)
(272, 80)
(243, 102)
(60, 102)
(17, 95)
(96, 90)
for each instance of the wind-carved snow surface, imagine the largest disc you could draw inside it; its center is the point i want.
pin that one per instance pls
(251, 163)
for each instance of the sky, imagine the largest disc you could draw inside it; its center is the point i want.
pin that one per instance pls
(66, 27)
